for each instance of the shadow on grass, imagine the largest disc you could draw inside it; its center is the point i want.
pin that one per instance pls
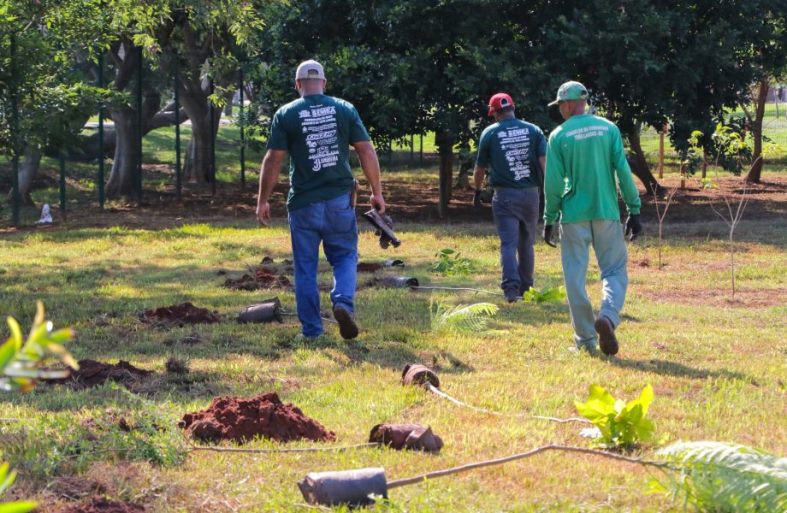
(677, 370)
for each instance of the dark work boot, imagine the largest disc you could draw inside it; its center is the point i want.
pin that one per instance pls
(606, 336)
(347, 327)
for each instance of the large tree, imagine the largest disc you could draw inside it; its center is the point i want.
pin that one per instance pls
(410, 67)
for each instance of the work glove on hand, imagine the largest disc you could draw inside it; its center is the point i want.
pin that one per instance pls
(477, 198)
(549, 233)
(633, 227)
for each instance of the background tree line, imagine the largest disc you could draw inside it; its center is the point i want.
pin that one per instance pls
(409, 67)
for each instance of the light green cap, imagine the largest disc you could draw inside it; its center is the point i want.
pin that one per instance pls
(570, 91)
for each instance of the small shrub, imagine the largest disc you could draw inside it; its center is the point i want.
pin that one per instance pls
(452, 263)
(545, 295)
(622, 425)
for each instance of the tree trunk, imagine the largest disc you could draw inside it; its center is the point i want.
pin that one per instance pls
(755, 173)
(198, 152)
(445, 146)
(639, 164)
(28, 172)
(124, 165)
(194, 99)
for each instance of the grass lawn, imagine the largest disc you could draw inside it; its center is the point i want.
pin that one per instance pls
(718, 365)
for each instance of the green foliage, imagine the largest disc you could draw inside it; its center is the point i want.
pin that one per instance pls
(622, 425)
(462, 318)
(452, 263)
(21, 359)
(132, 430)
(545, 295)
(7, 477)
(719, 478)
(728, 146)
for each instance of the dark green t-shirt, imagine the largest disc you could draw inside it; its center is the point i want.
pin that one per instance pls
(317, 131)
(510, 149)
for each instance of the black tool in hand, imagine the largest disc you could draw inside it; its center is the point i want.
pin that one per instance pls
(549, 234)
(477, 198)
(383, 227)
(633, 227)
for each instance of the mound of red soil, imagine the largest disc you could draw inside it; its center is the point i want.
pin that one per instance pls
(92, 373)
(263, 278)
(239, 420)
(101, 505)
(184, 313)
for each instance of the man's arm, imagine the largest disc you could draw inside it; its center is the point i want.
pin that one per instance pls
(478, 176)
(269, 175)
(371, 169)
(625, 179)
(554, 184)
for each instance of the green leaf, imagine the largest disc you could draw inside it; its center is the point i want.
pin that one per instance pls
(16, 332)
(7, 353)
(18, 507)
(599, 393)
(7, 477)
(645, 398)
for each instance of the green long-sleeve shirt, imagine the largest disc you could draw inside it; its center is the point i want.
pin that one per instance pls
(584, 157)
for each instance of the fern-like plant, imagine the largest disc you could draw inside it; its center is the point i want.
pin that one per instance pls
(462, 318)
(726, 478)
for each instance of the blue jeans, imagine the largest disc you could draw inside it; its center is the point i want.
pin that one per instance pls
(611, 254)
(331, 222)
(516, 220)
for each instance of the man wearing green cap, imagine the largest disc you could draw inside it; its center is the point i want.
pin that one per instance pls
(585, 165)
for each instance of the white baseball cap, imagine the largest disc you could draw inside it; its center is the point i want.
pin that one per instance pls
(309, 69)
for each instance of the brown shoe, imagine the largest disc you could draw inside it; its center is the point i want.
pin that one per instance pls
(606, 336)
(347, 327)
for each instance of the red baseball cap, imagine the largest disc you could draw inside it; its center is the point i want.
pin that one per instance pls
(498, 102)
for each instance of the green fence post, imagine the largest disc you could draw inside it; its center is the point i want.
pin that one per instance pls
(178, 171)
(213, 135)
(62, 160)
(138, 178)
(15, 200)
(242, 134)
(101, 134)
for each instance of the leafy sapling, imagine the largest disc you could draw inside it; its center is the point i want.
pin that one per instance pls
(622, 425)
(545, 295)
(451, 262)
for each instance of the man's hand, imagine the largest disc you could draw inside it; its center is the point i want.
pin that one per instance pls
(477, 198)
(633, 227)
(378, 203)
(549, 233)
(263, 213)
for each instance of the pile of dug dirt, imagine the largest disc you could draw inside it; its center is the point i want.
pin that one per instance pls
(179, 315)
(240, 420)
(93, 373)
(101, 505)
(263, 278)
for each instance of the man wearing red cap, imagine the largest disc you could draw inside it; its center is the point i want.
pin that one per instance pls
(512, 151)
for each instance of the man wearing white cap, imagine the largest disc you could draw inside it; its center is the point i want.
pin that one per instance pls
(317, 131)
(585, 165)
